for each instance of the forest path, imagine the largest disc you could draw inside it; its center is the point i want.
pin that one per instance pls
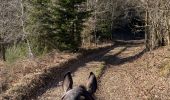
(135, 75)
(125, 76)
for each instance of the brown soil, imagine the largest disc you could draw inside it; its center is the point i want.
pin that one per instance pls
(132, 76)
(129, 74)
(11, 74)
(32, 76)
(83, 68)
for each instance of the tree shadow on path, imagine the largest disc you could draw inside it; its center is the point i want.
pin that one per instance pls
(100, 56)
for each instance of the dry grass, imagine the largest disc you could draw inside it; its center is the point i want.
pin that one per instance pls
(3, 78)
(165, 70)
(11, 73)
(26, 75)
(138, 79)
(100, 70)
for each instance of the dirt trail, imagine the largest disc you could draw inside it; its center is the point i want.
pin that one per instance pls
(135, 76)
(79, 77)
(126, 75)
(80, 73)
(93, 63)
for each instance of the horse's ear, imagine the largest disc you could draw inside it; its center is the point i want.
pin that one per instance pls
(68, 82)
(92, 83)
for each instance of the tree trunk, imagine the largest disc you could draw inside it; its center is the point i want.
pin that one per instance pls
(2, 52)
(95, 29)
(147, 34)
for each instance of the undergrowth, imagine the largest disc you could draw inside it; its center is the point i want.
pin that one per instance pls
(16, 52)
(100, 70)
(165, 70)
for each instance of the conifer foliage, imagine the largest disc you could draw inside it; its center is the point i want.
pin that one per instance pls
(70, 23)
(56, 24)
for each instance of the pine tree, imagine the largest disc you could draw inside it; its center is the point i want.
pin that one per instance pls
(56, 24)
(70, 23)
(40, 25)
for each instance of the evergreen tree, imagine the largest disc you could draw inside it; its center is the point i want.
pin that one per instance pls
(40, 25)
(56, 24)
(70, 23)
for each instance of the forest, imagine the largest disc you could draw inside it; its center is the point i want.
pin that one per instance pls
(123, 44)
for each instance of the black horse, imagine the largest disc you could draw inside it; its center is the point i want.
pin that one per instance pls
(81, 92)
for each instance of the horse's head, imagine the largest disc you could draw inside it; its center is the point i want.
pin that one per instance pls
(80, 92)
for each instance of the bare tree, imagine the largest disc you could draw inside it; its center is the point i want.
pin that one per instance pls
(157, 23)
(12, 29)
(25, 34)
(10, 23)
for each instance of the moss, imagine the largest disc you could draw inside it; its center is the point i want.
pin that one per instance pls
(165, 70)
(100, 70)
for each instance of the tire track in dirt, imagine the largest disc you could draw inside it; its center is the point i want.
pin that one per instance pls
(54, 91)
(133, 75)
(81, 74)
(79, 77)
(108, 86)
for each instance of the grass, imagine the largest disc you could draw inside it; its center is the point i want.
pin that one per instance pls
(16, 67)
(16, 52)
(13, 54)
(99, 71)
(165, 70)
